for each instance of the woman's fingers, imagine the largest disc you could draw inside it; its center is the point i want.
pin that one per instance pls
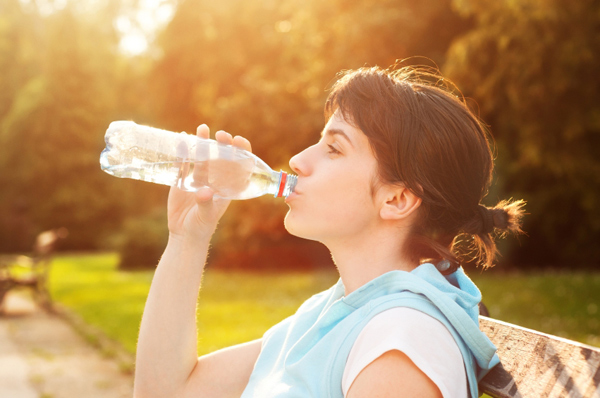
(242, 142)
(203, 131)
(223, 137)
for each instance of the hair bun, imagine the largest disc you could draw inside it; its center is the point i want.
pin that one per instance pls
(505, 216)
(487, 219)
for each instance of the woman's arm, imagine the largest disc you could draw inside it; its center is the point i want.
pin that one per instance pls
(224, 373)
(393, 374)
(166, 359)
(416, 352)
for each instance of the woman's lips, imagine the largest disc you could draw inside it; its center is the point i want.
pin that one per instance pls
(291, 196)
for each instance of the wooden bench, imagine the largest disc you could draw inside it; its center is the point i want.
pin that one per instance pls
(539, 365)
(20, 271)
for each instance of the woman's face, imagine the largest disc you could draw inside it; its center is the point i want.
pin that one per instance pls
(333, 200)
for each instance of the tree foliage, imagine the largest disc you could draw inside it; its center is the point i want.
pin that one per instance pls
(261, 69)
(533, 66)
(61, 94)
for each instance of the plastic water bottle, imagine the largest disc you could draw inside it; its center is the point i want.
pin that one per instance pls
(189, 162)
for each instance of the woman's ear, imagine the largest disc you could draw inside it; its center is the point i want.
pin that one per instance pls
(399, 202)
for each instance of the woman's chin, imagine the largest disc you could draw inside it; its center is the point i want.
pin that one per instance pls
(297, 227)
(290, 225)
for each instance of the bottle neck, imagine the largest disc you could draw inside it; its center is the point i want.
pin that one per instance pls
(286, 185)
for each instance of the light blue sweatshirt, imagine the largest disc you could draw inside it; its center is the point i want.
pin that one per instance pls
(305, 355)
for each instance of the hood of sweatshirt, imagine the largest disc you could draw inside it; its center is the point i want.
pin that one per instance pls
(455, 295)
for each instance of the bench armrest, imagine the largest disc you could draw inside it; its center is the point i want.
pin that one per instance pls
(535, 364)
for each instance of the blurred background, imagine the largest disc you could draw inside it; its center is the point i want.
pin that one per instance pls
(261, 69)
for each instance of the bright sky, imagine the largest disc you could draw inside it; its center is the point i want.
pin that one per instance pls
(137, 27)
(46, 7)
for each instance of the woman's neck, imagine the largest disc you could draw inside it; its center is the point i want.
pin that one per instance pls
(367, 257)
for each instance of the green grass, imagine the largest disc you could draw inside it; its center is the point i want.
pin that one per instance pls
(103, 297)
(233, 308)
(565, 304)
(236, 307)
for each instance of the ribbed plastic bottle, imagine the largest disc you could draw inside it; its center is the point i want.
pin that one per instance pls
(189, 162)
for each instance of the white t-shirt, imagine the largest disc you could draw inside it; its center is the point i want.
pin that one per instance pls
(422, 338)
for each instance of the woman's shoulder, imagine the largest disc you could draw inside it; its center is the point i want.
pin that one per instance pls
(421, 337)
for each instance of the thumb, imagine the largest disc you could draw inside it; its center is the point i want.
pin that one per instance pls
(211, 209)
(204, 195)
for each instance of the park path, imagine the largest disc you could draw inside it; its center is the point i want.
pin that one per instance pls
(41, 356)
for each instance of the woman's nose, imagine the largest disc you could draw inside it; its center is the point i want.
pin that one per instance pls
(298, 163)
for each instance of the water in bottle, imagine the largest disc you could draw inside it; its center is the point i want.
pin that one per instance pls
(189, 162)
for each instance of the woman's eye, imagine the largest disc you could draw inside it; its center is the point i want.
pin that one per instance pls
(332, 150)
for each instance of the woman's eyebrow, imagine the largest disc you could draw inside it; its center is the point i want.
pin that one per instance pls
(339, 132)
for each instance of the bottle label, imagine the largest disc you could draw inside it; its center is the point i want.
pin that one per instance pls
(282, 180)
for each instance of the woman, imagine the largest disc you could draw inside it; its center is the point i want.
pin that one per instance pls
(391, 187)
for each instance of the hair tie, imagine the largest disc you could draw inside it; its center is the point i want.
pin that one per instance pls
(487, 219)
(443, 265)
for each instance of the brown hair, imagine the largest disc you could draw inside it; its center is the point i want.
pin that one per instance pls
(426, 138)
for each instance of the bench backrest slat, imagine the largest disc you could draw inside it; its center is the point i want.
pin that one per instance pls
(538, 365)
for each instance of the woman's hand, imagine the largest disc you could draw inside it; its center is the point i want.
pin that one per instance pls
(196, 214)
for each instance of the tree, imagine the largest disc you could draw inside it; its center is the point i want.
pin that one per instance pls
(18, 56)
(262, 68)
(52, 127)
(19, 62)
(533, 68)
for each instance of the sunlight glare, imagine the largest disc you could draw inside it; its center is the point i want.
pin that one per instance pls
(134, 43)
(139, 29)
(46, 7)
